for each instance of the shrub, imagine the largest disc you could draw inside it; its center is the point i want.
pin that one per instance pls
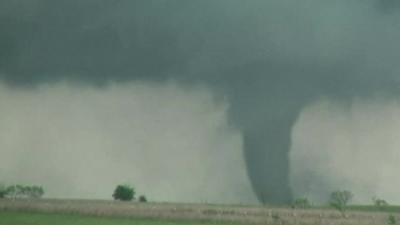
(301, 203)
(340, 199)
(392, 220)
(142, 198)
(124, 193)
(11, 191)
(21, 191)
(3, 191)
(34, 191)
(380, 203)
(276, 218)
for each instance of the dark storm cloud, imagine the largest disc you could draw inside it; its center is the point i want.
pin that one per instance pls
(271, 58)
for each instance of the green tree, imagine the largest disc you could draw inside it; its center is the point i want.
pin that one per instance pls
(21, 191)
(36, 192)
(11, 191)
(33, 191)
(124, 193)
(3, 191)
(301, 203)
(380, 203)
(340, 199)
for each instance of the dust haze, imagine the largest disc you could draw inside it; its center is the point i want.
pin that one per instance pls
(353, 147)
(80, 142)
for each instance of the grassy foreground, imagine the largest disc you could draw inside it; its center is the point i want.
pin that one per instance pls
(371, 208)
(101, 212)
(20, 218)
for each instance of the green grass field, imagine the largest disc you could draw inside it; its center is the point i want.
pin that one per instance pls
(17, 218)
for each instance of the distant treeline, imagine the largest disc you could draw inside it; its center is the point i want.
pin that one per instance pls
(21, 191)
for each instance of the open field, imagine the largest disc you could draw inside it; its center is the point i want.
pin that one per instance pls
(371, 208)
(42, 212)
(19, 218)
